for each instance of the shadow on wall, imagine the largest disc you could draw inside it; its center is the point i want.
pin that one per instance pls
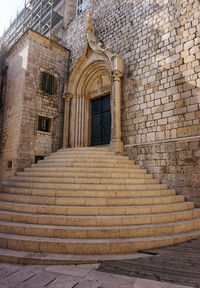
(164, 105)
(11, 120)
(160, 100)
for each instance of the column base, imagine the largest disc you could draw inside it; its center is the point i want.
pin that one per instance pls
(117, 146)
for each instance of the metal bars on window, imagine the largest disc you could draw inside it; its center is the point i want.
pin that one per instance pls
(48, 83)
(44, 124)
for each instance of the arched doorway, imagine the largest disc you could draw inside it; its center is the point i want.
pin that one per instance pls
(93, 83)
(97, 73)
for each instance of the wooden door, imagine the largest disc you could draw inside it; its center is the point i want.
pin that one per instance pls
(101, 121)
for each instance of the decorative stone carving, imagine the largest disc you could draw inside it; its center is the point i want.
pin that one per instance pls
(90, 28)
(116, 60)
(67, 96)
(116, 75)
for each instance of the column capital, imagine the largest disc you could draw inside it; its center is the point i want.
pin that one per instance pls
(67, 96)
(116, 75)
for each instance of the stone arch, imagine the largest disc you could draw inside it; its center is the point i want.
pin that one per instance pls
(94, 82)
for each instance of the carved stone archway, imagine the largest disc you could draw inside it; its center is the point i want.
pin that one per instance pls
(98, 72)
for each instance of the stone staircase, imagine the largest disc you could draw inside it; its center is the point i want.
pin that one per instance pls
(82, 205)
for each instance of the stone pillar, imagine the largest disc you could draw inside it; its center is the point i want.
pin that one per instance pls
(67, 98)
(116, 143)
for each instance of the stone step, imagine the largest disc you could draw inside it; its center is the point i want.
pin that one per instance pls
(95, 211)
(27, 258)
(91, 246)
(87, 193)
(104, 232)
(91, 156)
(83, 180)
(101, 201)
(85, 153)
(45, 219)
(89, 201)
(86, 186)
(87, 164)
(83, 174)
(86, 169)
(96, 160)
(95, 149)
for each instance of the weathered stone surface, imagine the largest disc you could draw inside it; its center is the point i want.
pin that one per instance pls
(159, 42)
(24, 101)
(161, 54)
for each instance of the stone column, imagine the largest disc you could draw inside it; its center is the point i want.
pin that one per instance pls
(116, 143)
(67, 98)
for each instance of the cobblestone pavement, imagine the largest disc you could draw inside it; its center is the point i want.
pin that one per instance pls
(70, 276)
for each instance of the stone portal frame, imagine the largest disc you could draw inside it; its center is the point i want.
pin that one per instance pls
(98, 72)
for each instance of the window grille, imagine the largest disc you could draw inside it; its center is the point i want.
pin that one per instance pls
(81, 6)
(48, 83)
(44, 124)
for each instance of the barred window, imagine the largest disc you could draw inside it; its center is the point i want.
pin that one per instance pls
(44, 124)
(81, 6)
(48, 83)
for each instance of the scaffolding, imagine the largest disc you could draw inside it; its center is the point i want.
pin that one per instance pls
(43, 16)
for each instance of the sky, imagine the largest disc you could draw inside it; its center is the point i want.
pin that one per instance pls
(8, 10)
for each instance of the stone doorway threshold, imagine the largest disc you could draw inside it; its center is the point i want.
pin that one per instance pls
(178, 264)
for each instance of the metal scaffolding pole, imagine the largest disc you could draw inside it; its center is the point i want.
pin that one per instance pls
(51, 3)
(40, 15)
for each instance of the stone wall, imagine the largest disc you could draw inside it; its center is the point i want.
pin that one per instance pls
(176, 163)
(159, 41)
(3, 52)
(69, 11)
(24, 101)
(13, 100)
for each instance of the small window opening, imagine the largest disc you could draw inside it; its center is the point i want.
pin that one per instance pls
(48, 83)
(9, 164)
(44, 124)
(38, 158)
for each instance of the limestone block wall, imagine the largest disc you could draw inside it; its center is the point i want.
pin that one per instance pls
(176, 163)
(69, 11)
(44, 55)
(24, 100)
(159, 41)
(3, 52)
(12, 108)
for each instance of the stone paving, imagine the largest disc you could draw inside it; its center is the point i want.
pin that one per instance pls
(178, 264)
(70, 276)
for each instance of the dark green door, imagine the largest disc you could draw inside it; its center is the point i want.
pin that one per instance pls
(101, 121)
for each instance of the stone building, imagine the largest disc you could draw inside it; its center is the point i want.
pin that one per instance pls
(32, 109)
(120, 74)
(157, 72)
